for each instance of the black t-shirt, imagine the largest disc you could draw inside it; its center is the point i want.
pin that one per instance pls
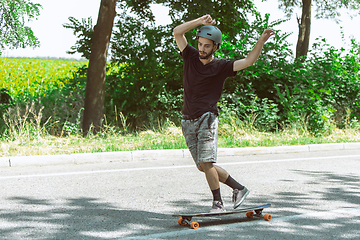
(203, 84)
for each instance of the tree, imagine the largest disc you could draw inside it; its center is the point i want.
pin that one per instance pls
(304, 24)
(95, 85)
(14, 14)
(328, 9)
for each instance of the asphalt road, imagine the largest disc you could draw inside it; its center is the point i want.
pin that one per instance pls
(314, 195)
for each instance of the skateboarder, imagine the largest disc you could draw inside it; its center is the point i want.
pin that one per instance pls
(204, 77)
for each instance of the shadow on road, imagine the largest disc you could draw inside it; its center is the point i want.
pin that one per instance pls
(91, 218)
(80, 218)
(328, 208)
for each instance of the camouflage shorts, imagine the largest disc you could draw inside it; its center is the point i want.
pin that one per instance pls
(201, 136)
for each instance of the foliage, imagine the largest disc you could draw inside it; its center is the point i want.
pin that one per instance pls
(323, 9)
(14, 15)
(146, 88)
(328, 9)
(64, 104)
(277, 91)
(251, 94)
(319, 94)
(5, 103)
(332, 79)
(84, 32)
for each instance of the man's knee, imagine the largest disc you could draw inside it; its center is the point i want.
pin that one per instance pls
(205, 166)
(200, 169)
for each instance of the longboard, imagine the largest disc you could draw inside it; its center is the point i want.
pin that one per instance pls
(256, 211)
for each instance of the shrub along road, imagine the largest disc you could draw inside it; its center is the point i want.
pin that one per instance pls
(314, 195)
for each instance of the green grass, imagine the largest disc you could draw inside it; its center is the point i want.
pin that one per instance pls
(167, 138)
(26, 136)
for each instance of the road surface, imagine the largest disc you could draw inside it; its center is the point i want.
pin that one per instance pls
(314, 195)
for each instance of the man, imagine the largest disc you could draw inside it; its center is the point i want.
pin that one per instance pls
(204, 77)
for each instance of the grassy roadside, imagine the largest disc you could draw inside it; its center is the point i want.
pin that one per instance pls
(167, 138)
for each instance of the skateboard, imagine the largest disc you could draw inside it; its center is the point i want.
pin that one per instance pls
(256, 211)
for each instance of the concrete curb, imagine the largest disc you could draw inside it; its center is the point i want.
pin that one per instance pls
(128, 156)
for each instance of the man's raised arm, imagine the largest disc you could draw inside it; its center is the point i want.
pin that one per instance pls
(179, 31)
(255, 53)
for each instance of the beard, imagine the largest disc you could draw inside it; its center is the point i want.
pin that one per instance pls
(206, 55)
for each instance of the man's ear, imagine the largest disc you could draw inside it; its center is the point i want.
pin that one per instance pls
(216, 47)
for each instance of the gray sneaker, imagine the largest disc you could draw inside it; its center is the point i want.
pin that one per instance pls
(239, 196)
(217, 207)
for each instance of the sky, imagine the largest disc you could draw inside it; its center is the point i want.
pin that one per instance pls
(55, 40)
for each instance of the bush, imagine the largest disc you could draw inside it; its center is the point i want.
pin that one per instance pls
(278, 91)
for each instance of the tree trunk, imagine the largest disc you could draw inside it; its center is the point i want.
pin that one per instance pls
(304, 23)
(95, 85)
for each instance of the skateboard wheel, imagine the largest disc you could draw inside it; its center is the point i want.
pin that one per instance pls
(267, 217)
(194, 225)
(181, 221)
(249, 214)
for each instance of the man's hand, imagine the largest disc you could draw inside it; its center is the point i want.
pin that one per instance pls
(179, 31)
(207, 20)
(266, 35)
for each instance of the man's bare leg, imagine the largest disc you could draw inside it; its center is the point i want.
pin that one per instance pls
(215, 174)
(212, 175)
(222, 174)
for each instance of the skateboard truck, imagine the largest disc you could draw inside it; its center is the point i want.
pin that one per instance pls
(258, 213)
(185, 219)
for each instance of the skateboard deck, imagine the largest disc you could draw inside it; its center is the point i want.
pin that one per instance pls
(256, 211)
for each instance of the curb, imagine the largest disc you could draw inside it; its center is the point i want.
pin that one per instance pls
(144, 155)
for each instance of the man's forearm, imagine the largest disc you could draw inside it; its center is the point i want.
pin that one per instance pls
(179, 31)
(255, 53)
(250, 59)
(187, 26)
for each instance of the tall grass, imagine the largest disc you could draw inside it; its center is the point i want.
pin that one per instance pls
(26, 135)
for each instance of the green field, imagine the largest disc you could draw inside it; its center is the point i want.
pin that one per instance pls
(29, 77)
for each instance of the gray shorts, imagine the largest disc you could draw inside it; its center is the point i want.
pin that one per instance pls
(201, 136)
